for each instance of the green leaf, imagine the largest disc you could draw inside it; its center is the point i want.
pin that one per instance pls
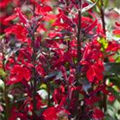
(2, 36)
(2, 73)
(115, 80)
(108, 118)
(112, 68)
(43, 86)
(105, 2)
(103, 43)
(118, 59)
(116, 105)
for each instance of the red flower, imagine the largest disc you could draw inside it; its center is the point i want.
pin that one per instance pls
(92, 61)
(95, 71)
(4, 3)
(16, 114)
(117, 30)
(53, 113)
(111, 98)
(19, 31)
(59, 95)
(50, 113)
(97, 114)
(113, 47)
(40, 70)
(91, 100)
(18, 73)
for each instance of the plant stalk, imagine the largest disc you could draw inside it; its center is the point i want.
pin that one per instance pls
(103, 17)
(79, 40)
(7, 106)
(34, 78)
(79, 33)
(104, 103)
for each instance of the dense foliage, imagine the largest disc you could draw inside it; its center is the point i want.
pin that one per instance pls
(59, 60)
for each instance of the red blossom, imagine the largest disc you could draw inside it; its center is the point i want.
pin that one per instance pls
(19, 31)
(4, 3)
(95, 72)
(18, 73)
(98, 114)
(53, 113)
(111, 98)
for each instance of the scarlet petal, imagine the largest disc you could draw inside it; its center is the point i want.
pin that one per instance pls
(92, 100)
(117, 24)
(90, 74)
(21, 16)
(40, 70)
(50, 113)
(15, 69)
(98, 73)
(98, 114)
(27, 74)
(116, 32)
(10, 18)
(89, 28)
(12, 80)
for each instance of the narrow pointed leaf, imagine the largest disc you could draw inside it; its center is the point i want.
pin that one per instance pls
(88, 7)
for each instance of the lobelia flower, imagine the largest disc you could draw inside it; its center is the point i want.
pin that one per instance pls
(55, 113)
(18, 73)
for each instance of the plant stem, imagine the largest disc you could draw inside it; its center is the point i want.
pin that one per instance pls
(34, 78)
(102, 17)
(67, 12)
(104, 103)
(34, 70)
(7, 106)
(6, 101)
(48, 82)
(79, 40)
(79, 33)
